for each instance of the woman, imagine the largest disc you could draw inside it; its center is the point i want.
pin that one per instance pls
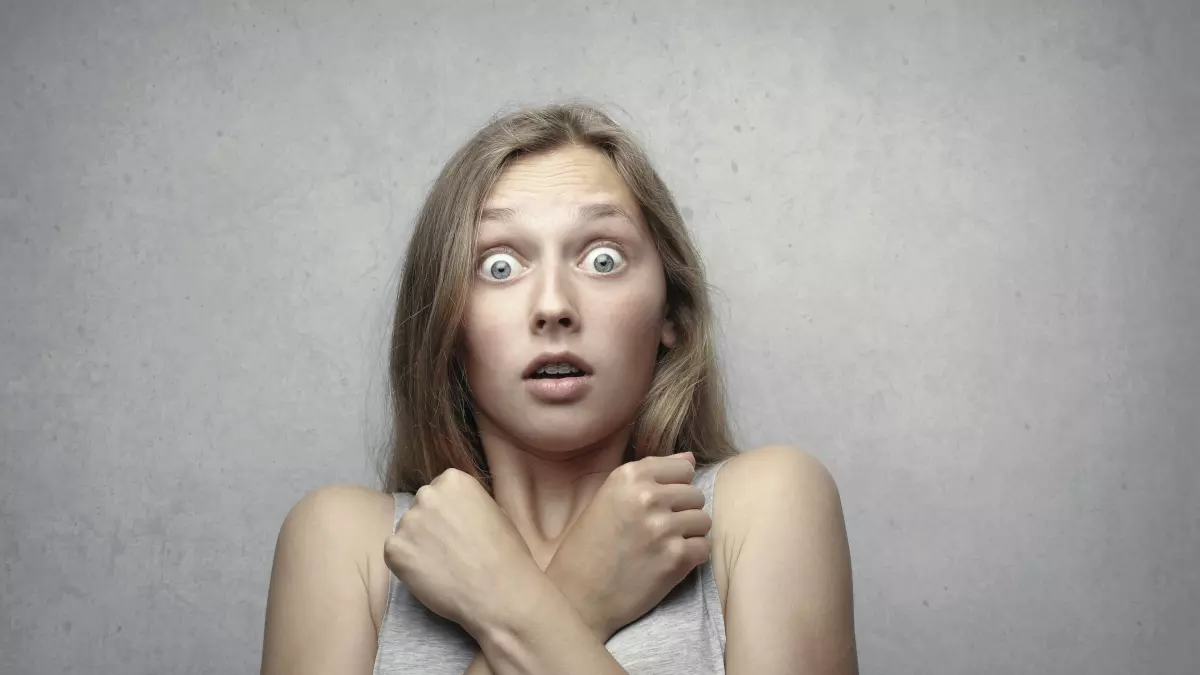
(562, 492)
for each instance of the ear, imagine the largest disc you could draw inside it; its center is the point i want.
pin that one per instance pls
(668, 333)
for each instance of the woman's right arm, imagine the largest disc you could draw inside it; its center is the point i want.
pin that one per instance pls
(318, 609)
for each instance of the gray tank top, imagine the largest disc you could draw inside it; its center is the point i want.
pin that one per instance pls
(685, 633)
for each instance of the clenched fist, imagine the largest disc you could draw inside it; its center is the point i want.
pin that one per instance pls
(642, 533)
(451, 547)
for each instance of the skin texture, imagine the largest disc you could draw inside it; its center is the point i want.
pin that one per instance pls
(547, 460)
(777, 537)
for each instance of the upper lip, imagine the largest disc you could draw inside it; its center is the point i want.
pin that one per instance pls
(548, 358)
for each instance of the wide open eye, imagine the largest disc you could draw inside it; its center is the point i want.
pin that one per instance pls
(604, 260)
(500, 267)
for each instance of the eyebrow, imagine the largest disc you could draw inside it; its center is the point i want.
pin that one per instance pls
(583, 213)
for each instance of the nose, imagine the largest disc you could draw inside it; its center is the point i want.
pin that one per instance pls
(554, 305)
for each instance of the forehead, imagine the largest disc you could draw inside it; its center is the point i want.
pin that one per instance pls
(560, 180)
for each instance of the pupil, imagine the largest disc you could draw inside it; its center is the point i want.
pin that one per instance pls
(500, 269)
(604, 263)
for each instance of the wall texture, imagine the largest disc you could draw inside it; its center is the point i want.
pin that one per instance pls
(956, 246)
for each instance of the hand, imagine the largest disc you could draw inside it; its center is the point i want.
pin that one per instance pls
(451, 547)
(642, 533)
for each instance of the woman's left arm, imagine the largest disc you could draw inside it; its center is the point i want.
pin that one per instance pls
(545, 635)
(461, 557)
(789, 602)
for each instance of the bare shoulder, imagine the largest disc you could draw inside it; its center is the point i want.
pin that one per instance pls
(771, 477)
(321, 606)
(356, 520)
(789, 592)
(339, 510)
(349, 518)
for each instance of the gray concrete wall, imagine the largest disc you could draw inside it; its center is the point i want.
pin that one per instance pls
(957, 247)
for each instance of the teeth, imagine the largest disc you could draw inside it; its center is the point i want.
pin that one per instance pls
(558, 369)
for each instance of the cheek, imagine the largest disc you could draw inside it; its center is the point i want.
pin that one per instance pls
(633, 324)
(483, 341)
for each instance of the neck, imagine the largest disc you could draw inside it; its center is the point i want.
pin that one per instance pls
(544, 492)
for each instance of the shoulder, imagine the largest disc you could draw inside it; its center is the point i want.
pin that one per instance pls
(330, 546)
(339, 525)
(338, 512)
(787, 561)
(761, 478)
(773, 488)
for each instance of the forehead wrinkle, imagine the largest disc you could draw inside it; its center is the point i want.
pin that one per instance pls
(580, 213)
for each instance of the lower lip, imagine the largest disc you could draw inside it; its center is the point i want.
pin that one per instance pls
(559, 390)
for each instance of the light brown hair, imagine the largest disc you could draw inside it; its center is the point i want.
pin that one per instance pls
(429, 401)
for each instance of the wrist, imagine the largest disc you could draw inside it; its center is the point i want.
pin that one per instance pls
(543, 633)
(588, 607)
(493, 609)
(533, 607)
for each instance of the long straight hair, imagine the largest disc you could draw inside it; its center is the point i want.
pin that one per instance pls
(433, 424)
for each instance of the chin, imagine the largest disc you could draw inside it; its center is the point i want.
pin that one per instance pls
(559, 438)
(557, 429)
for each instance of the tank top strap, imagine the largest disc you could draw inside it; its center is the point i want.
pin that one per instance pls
(403, 501)
(706, 480)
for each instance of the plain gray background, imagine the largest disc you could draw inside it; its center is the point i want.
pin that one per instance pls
(956, 246)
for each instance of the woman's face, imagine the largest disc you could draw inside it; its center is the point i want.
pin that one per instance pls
(566, 273)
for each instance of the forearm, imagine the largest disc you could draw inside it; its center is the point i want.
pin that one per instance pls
(546, 636)
(585, 607)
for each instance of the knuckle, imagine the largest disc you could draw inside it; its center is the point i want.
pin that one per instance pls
(646, 498)
(628, 472)
(658, 526)
(393, 549)
(676, 551)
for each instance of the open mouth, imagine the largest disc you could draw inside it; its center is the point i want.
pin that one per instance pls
(556, 372)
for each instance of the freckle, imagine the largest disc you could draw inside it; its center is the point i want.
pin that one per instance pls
(733, 165)
(925, 602)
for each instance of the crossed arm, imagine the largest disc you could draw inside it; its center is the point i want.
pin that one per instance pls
(788, 603)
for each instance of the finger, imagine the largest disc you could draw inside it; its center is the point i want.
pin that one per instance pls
(685, 455)
(691, 524)
(696, 550)
(680, 497)
(670, 470)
